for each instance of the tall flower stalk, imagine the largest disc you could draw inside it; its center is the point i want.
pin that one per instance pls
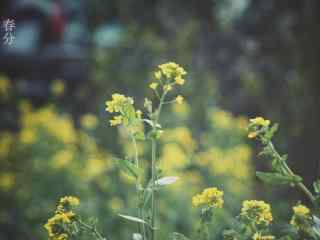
(166, 77)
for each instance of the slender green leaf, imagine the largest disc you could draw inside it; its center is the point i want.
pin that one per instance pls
(128, 167)
(277, 178)
(166, 180)
(178, 236)
(133, 219)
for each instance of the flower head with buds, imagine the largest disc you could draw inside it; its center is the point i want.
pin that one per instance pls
(258, 126)
(257, 212)
(301, 218)
(57, 226)
(124, 106)
(211, 197)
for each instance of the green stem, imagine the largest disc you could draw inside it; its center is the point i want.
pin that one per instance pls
(287, 169)
(142, 228)
(153, 179)
(154, 169)
(93, 229)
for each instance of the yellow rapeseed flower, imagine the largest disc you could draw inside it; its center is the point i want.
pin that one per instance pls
(260, 121)
(117, 103)
(117, 120)
(301, 210)
(158, 75)
(172, 70)
(153, 86)
(71, 200)
(167, 87)
(179, 99)
(179, 80)
(301, 216)
(252, 134)
(54, 226)
(212, 197)
(257, 211)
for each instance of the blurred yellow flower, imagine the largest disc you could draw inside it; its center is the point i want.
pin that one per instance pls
(70, 200)
(181, 135)
(158, 75)
(173, 158)
(260, 121)
(116, 203)
(252, 135)
(301, 216)
(179, 99)
(242, 123)
(28, 135)
(222, 119)
(212, 197)
(89, 121)
(179, 80)
(60, 127)
(95, 166)
(25, 106)
(257, 211)
(6, 140)
(62, 158)
(7, 181)
(5, 86)
(167, 87)
(117, 120)
(57, 88)
(153, 86)
(182, 110)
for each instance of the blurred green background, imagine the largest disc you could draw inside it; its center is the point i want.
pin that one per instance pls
(244, 58)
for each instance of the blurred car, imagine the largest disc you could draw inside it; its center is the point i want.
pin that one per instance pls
(50, 42)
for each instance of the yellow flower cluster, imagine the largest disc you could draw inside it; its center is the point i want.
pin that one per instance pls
(255, 124)
(212, 197)
(301, 215)
(260, 121)
(259, 236)
(171, 70)
(123, 105)
(47, 119)
(63, 216)
(69, 201)
(168, 75)
(118, 102)
(257, 211)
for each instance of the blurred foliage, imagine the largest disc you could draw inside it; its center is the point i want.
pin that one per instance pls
(49, 157)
